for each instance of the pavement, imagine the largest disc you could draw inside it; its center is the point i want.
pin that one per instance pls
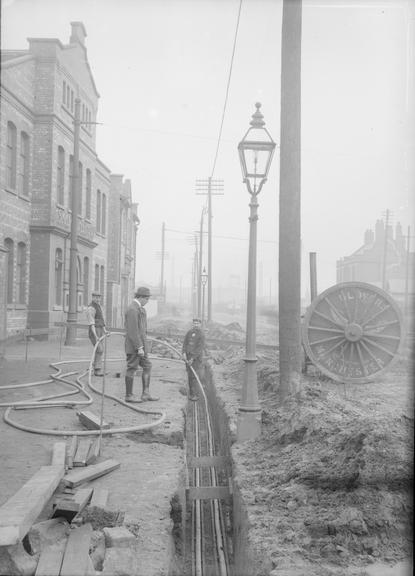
(152, 462)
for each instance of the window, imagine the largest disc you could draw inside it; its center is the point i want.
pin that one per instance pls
(23, 184)
(80, 184)
(104, 214)
(21, 273)
(98, 224)
(11, 155)
(88, 194)
(96, 280)
(70, 182)
(61, 176)
(101, 282)
(72, 100)
(64, 92)
(68, 96)
(86, 279)
(58, 276)
(9, 245)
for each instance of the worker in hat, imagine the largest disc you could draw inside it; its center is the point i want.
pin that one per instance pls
(193, 348)
(96, 322)
(136, 347)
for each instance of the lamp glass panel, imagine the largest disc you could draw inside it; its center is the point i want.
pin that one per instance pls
(256, 161)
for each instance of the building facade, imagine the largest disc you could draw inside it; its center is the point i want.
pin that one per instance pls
(367, 263)
(123, 228)
(39, 91)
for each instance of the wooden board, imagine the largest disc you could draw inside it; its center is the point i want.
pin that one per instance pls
(81, 455)
(72, 450)
(76, 557)
(99, 498)
(21, 511)
(77, 477)
(91, 421)
(59, 454)
(76, 503)
(50, 559)
(94, 451)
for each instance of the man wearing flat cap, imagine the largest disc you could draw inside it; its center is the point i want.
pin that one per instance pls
(96, 322)
(136, 346)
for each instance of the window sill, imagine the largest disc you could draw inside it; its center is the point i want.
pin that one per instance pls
(58, 308)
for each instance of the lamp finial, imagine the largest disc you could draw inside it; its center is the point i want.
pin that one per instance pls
(257, 117)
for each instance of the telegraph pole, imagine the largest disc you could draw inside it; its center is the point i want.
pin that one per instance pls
(199, 279)
(385, 251)
(210, 187)
(73, 264)
(408, 240)
(163, 231)
(290, 201)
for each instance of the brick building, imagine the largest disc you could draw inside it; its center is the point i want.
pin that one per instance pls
(366, 263)
(123, 227)
(39, 88)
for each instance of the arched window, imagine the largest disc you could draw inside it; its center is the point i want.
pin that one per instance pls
(88, 194)
(78, 271)
(80, 184)
(11, 155)
(58, 276)
(64, 92)
(61, 176)
(86, 280)
(70, 182)
(9, 245)
(96, 278)
(104, 214)
(21, 273)
(101, 282)
(98, 224)
(24, 164)
(68, 96)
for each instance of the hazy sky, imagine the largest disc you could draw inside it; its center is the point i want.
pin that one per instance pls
(161, 68)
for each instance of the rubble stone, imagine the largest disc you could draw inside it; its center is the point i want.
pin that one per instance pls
(15, 561)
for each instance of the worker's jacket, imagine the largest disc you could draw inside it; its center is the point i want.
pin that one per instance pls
(135, 328)
(194, 343)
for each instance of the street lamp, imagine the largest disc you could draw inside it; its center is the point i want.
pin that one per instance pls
(204, 278)
(255, 153)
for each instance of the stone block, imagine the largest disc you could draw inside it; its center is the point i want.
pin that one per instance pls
(47, 533)
(121, 562)
(118, 537)
(15, 561)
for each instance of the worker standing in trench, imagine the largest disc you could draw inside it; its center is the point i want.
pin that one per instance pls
(96, 330)
(193, 347)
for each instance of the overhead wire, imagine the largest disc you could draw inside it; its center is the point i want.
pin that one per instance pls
(227, 88)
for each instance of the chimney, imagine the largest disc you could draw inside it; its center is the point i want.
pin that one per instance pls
(369, 237)
(379, 231)
(78, 33)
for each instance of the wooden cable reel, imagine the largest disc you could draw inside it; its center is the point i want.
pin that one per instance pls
(353, 332)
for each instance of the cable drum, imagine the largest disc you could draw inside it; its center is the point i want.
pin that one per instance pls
(353, 332)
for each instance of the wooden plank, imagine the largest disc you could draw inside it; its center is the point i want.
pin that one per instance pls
(94, 450)
(75, 504)
(72, 451)
(99, 498)
(77, 477)
(81, 455)
(59, 454)
(76, 557)
(91, 421)
(207, 462)
(50, 559)
(207, 492)
(19, 513)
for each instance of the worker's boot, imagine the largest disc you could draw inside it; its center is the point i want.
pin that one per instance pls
(146, 396)
(129, 396)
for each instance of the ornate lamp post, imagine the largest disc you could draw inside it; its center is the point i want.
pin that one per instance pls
(204, 278)
(255, 153)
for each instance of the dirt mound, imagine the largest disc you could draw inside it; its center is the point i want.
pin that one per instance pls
(328, 485)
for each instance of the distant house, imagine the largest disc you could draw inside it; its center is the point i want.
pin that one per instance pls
(366, 264)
